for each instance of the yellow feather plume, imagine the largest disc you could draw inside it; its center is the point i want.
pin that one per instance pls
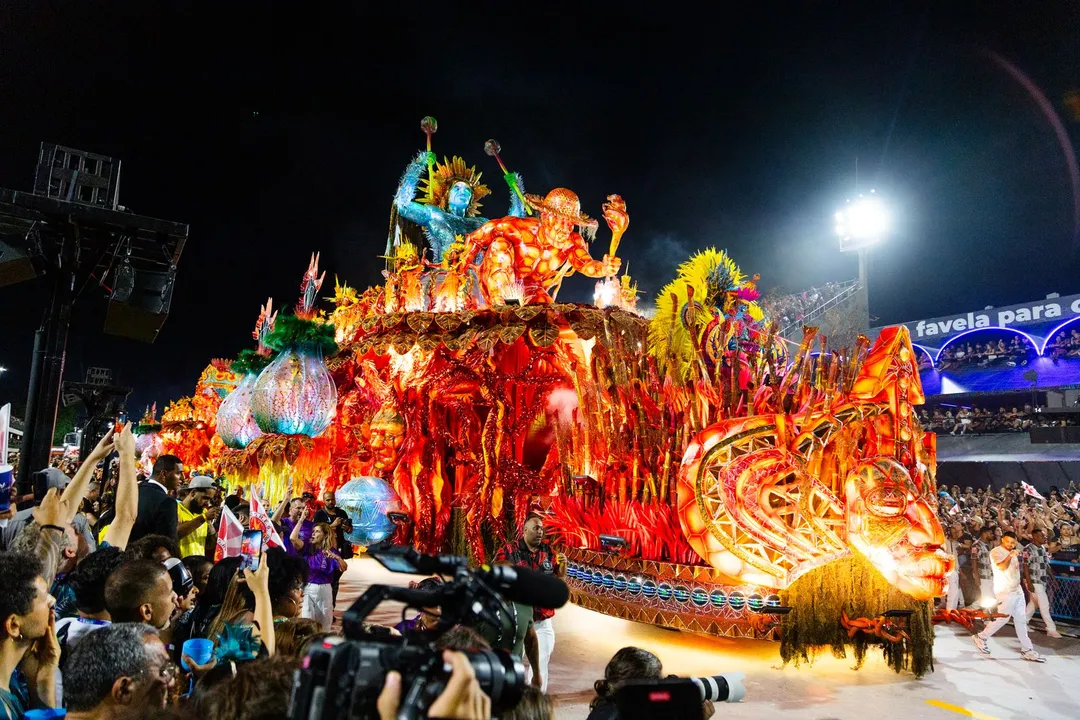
(712, 275)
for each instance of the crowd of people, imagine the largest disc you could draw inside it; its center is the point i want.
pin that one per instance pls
(1004, 540)
(794, 308)
(1012, 353)
(112, 583)
(974, 420)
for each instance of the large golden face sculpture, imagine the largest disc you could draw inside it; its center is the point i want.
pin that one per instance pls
(386, 435)
(895, 527)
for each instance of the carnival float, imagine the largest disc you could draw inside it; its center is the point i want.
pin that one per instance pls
(695, 473)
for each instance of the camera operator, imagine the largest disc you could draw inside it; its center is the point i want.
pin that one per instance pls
(461, 700)
(630, 663)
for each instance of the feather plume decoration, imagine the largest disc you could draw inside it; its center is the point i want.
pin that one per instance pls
(236, 643)
(707, 280)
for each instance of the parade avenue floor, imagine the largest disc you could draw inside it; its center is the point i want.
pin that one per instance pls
(963, 684)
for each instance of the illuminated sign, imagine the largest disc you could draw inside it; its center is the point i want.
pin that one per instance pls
(1051, 312)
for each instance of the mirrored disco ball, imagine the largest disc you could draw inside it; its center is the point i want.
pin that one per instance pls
(368, 500)
(295, 395)
(235, 419)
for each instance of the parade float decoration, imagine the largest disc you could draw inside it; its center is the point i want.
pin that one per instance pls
(188, 426)
(372, 506)
(294, 394)
(236, 418)
(293, 401)
(694, 475)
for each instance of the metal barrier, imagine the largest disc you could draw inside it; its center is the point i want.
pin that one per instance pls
(1064, 591)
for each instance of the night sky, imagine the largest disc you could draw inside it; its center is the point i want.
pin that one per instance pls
(278, 134)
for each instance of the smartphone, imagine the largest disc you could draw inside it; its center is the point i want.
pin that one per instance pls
(121, 421)
(250, 549)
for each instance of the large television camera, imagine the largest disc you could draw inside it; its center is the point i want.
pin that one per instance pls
(342, 678)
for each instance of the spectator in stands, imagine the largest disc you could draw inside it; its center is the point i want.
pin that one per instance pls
(196, 516)
(141, 591)
(157, 507)
(124, 665)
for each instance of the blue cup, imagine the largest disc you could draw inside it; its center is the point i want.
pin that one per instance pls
(198, 649)
(7, 479)
(45, 713)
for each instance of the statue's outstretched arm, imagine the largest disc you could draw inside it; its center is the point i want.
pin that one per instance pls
(517, 205)
(406, 206)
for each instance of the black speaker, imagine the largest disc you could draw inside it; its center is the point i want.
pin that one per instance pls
(16, 265)
(139, 303)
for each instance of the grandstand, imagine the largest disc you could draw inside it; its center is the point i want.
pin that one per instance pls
(838, 309)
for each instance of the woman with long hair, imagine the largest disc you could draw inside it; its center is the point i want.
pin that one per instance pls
(322, 561)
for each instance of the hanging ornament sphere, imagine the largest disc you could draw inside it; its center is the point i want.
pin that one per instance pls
(367, 500)
(235, 418)
(295, 395)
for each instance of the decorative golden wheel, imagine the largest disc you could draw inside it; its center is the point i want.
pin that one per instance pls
(752, 508)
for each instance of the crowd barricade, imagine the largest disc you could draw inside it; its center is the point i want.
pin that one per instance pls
(1064, 591)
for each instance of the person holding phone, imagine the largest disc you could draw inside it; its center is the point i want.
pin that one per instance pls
(340, 524)
(322, 562)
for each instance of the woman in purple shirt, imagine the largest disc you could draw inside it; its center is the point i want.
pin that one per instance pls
(322, 561)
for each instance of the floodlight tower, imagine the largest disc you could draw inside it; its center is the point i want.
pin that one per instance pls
(860, 225)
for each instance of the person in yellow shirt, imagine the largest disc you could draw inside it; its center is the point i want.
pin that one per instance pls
(195, 517)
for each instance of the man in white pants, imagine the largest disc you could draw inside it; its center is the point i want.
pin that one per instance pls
(1005, 561)
(532, 552)
(1036, 574)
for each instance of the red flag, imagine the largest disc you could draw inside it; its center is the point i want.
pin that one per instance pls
(955, 509)
(260, 520)
(1029, 490)
(229, 537)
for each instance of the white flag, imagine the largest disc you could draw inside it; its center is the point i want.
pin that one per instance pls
(1029, 490)
(1075, 502)
(955, 509)
(260, 520)
(230, 535)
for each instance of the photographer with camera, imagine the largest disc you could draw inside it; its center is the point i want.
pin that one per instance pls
(627, 690)
(461, 700)
(371, 670)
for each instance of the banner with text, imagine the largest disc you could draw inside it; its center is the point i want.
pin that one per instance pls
(1046, 313)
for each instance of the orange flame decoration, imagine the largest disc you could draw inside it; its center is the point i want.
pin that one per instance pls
(265, 324)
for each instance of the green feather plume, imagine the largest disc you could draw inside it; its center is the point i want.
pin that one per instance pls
(293, 332)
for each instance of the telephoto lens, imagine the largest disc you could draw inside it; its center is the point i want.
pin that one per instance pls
(726, 687)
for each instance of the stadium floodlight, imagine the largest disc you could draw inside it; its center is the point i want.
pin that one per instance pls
(862, 222)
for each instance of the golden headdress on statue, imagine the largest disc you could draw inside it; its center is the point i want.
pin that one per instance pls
(443, 177)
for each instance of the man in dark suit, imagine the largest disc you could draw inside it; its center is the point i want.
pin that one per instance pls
(157, 507)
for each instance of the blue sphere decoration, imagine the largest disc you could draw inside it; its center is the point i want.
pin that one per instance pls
(367, 500)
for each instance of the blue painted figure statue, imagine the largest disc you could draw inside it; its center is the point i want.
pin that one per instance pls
(447, 205)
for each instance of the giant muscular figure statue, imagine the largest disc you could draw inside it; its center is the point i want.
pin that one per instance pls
(525, 257)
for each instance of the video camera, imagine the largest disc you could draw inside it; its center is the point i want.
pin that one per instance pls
(676, 697)
(343, 677)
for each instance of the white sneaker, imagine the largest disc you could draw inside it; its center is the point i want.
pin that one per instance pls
(981, 644)
(1032, 656)
(1053, 634)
